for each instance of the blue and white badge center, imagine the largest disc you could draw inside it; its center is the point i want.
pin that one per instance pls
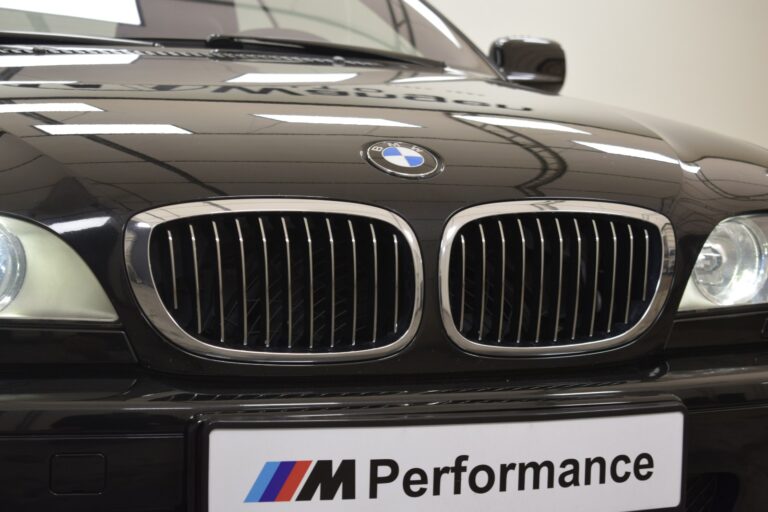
(403, 157)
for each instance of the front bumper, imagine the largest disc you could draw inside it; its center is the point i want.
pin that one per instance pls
(126, 442)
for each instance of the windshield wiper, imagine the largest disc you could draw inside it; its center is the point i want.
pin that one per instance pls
(226, 42)
(46, 38)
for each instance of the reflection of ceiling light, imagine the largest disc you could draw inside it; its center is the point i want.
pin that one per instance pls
(356, 121)
(516, 122)
(36, 82)
(111, 129)
(535, 40)
(692, 168)
(25, 61)
(436, 78)
(47, 107)
(523, 77)
(115, 11)
(292, 78)
(69, 226)
(640, 153)
(434, 19)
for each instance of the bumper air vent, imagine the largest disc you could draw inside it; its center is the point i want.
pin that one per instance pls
(277, 280)
(552, 277)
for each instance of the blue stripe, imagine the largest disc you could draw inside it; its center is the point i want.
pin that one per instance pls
(281, 475)
(261, 482)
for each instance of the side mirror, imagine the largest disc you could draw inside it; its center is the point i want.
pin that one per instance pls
(531, 61)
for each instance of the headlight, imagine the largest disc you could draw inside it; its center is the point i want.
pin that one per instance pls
(13, 265)
(43, 278)
(731, 267)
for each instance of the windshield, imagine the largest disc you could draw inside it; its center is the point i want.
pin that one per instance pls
(403, 26)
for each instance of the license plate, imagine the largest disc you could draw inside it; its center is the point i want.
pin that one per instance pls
(599, 464)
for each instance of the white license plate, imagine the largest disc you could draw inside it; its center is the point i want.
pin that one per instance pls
(608, 464)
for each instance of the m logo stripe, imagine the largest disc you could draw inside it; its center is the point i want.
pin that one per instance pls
(278, 481)
(261, 483)
(294, 479)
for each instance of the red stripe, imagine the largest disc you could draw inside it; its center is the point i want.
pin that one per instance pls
(293, 480)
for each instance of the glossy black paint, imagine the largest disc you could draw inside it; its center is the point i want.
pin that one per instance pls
(62, 180)
(86, 187)
(63, 345)
(154, 416)
(140, 473)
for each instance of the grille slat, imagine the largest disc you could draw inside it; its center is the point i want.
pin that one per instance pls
(267, 297)
(483, 291)
(375, 250)
(463, 281)
(612, 302)
(287, 282)
(572, 276)
(559, 278)
(199, 315)
(630, 274)
(243, 280)
(522, 281)
(354, 280)
(502, 280)
(172, 259)
(542, 251)
(596, 274)
(220, 281)
(577, 294)
(311, 288)
(645, 279)
(396, 250)
(333, 282)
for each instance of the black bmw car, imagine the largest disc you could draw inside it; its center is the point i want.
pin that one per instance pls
(263, 255)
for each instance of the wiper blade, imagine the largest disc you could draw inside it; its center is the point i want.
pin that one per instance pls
(19, 37)
(226, 42)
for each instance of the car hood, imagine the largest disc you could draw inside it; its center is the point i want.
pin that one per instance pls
(220, 130)
(229, 134)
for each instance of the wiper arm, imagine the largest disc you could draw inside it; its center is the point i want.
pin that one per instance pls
(226, 42)
(18, 37)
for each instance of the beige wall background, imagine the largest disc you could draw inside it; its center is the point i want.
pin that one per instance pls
(704, 62)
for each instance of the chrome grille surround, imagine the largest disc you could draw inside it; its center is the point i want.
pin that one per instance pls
(138, 261)
(541, 208)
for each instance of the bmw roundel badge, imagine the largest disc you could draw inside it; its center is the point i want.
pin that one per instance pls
(403, 159)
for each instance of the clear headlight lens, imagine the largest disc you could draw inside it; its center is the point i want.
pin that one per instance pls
(13, 265)
(731, 267)
(43, 278)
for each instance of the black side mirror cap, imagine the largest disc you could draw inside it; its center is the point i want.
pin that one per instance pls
(531, 61)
